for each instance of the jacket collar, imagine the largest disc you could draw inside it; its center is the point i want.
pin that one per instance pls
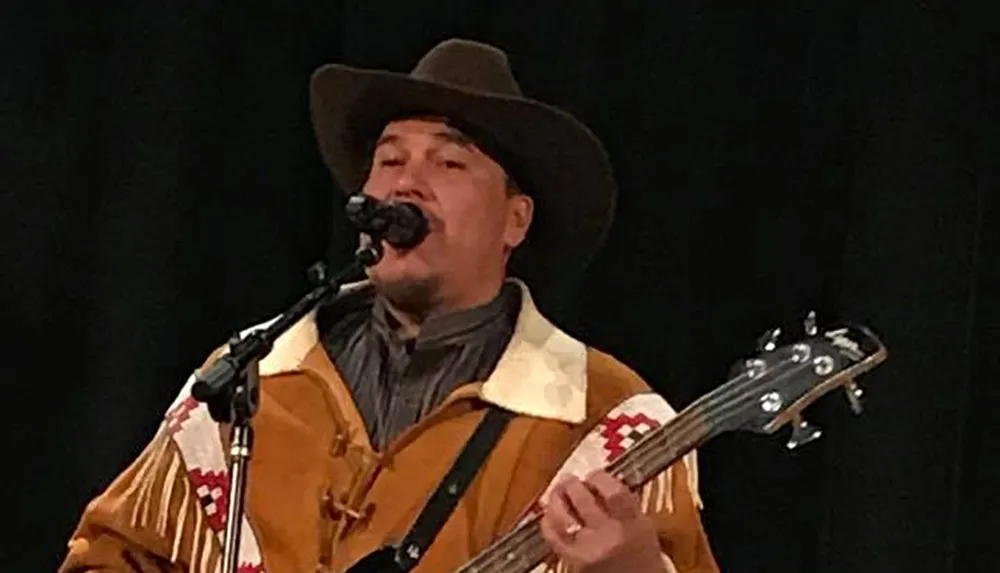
(542, 372)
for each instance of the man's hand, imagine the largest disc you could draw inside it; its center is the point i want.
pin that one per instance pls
(597, 526)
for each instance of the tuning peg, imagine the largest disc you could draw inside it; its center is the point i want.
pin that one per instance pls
(854, 393)
(809, 324)
(802, 433)
(769, 340)
(754, 367)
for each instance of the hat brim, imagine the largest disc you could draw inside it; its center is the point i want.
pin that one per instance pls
(565, 167)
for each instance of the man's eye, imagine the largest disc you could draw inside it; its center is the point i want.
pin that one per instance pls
(452, 164)
(390, 162)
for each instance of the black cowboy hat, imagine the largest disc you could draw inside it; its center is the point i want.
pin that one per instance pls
(549, 154)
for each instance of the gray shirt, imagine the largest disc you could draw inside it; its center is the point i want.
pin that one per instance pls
(394, 381)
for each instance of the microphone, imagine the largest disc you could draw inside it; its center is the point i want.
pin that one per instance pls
(402, 225)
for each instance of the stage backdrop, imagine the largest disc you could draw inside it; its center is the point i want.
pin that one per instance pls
(161, 188)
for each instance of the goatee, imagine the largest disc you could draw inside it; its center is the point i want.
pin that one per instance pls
(417, 298)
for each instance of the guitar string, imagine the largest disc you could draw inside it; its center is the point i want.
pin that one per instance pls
(716, 408)
(709, 405)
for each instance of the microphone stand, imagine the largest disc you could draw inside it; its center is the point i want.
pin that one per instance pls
(230, 386)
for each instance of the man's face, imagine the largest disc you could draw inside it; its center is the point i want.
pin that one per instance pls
(475, 217)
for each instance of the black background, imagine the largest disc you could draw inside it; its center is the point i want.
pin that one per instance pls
(160, 188)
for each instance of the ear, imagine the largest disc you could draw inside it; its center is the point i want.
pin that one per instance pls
(520, 210)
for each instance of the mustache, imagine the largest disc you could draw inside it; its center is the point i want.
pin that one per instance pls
(434, 220)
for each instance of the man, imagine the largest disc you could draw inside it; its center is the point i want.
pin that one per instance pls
(366, 403)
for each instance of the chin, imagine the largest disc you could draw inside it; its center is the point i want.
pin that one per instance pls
(416, 295)
(399, 266)
(407, 279)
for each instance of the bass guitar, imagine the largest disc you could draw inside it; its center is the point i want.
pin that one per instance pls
(770, 391)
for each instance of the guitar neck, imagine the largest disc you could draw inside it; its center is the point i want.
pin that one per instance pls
(524, 547)
(769, 394)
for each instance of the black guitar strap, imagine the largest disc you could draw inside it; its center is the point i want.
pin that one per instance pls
(442, 503)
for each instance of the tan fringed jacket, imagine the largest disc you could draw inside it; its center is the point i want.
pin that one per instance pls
(319, 498)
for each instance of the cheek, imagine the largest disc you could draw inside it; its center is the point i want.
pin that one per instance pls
(476, 227)
(378, 185)
(473, 217)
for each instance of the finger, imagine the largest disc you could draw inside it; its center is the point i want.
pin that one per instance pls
(561, 511)
(585, 503)
(559, 484)
(554, 535)
(617, 499)
(561, 481)
(559, 524)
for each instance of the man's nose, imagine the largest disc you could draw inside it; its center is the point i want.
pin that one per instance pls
(410, 184)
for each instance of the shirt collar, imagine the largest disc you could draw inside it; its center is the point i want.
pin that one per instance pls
(542, 372)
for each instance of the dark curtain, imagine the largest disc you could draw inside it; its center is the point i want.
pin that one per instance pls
(161, 189)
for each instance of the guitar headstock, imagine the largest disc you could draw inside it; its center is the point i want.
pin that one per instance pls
(774, 387)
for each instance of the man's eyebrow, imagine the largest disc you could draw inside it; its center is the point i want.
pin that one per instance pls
(448, 136)
(385, 139)
(456, 137)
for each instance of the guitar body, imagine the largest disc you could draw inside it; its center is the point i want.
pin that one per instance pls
(380, 561)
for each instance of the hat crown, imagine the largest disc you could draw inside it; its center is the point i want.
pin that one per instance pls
(469, 65)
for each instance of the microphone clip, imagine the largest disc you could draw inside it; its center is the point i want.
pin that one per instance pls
(400, 224)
